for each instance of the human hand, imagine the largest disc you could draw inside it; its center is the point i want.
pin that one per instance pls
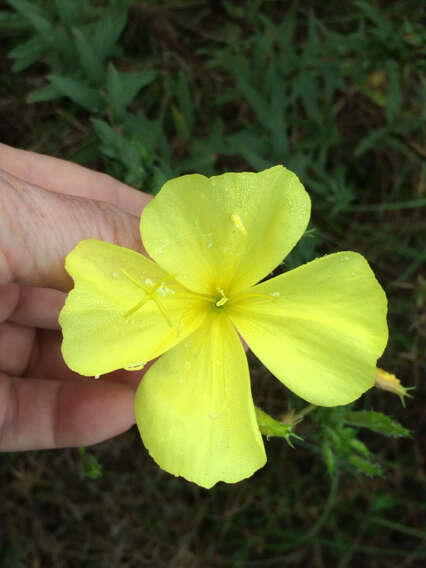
(46, 207)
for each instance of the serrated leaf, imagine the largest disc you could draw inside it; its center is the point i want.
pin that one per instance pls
(360, 447)
(78, 92)
(377, 422)
(365, 466)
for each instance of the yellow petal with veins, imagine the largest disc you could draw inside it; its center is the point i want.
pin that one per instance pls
(123, 311)
(195, 411)
(225, 232)
(319, 328)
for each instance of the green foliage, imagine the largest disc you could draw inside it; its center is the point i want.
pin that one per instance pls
(341, 446)
(90, 466)
(377, 422)
(77, 41)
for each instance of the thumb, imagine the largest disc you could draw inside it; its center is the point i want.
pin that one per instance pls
(38, 228)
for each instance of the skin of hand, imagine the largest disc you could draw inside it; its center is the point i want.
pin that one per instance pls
(47, 206)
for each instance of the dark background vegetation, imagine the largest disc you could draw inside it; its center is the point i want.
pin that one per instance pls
(147, 90)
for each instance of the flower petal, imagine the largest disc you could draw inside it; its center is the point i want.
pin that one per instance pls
(227, 231)
(319, 328)
(195, 411)
(105, 326)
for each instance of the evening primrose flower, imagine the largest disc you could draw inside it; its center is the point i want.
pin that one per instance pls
(318, 328)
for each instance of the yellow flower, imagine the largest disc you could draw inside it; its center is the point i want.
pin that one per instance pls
(319, 328)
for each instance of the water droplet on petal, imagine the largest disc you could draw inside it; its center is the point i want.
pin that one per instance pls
(115, 275)
(274, 294)
(97, 376)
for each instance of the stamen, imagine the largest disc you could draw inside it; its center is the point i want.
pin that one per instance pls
(150, 294)
(222, 301)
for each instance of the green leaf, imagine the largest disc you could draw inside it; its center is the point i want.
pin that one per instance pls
(133, 83)
(255, 99)
(26, 7)
(377, 422)
(372, 140)
(70, 12)
(91, 468)
(10, 22)
(109, 137)
(122, 88)
(365, 466)
(34, 14)
(27, 53)
(328, 457)
(360, 447)
(109, 29)
(78, 92)
(46, 93)
(89, 59)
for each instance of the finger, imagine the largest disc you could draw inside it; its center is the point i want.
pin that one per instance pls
(65, 177)
(16, 344)
(41, 414)
(46, 361)
(31, 306)
(38, 228)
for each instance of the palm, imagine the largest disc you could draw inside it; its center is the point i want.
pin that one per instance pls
(46, 207)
